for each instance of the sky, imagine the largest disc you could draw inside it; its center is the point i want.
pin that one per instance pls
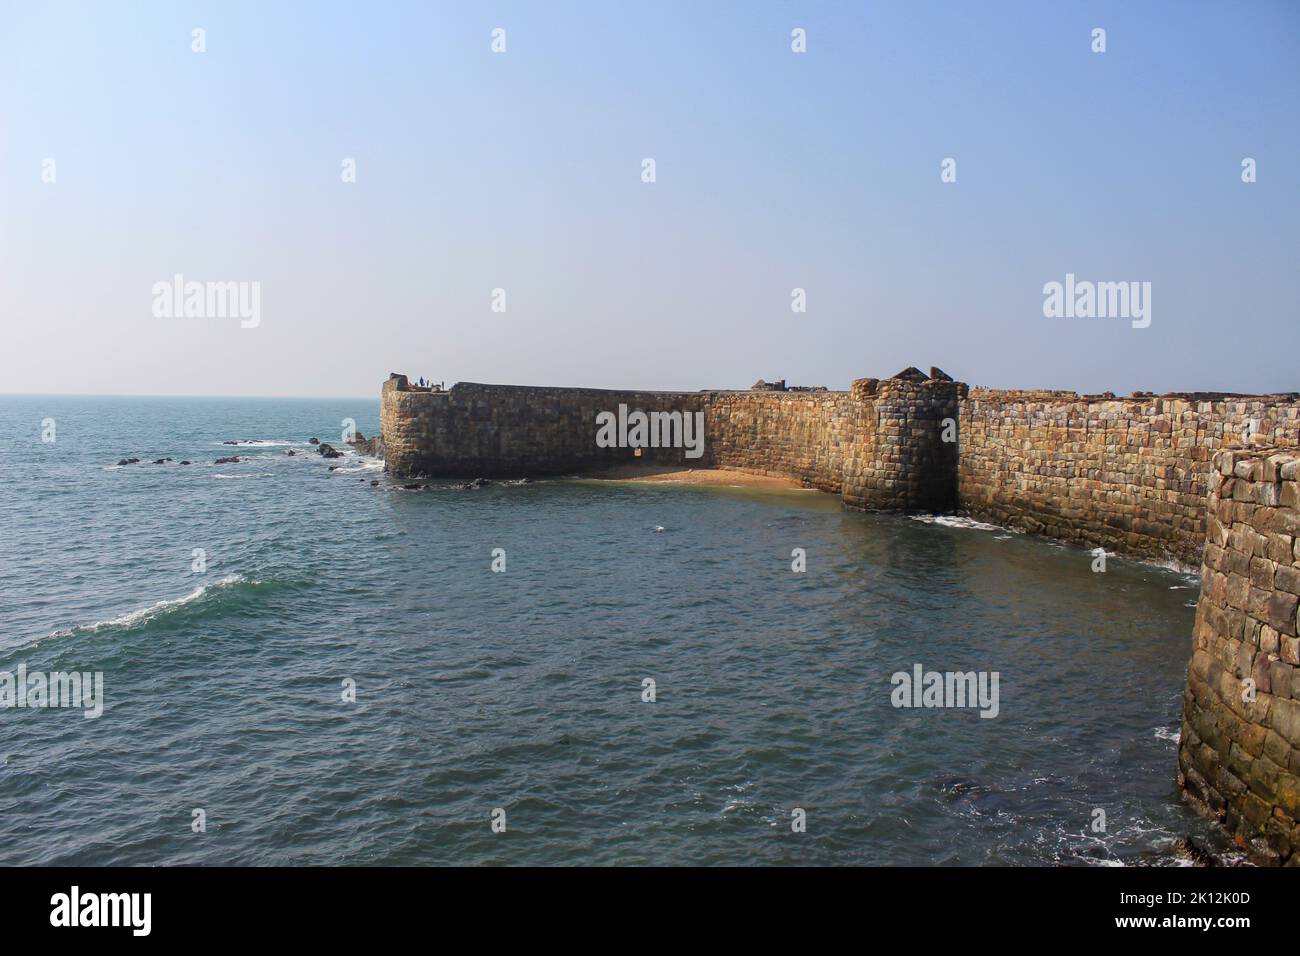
(524, 171)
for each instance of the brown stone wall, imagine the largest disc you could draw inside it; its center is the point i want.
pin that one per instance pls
(906, 455)
(505, 431)
(802, 435)
(1129, 475)
(1239, 751)
(1126, 474)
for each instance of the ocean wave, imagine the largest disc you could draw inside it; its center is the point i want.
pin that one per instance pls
(958, 521)
(145, 614)
(363, 464)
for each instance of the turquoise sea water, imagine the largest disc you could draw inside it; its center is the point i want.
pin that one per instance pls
(522, 690)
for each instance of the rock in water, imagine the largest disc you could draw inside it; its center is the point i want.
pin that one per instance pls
(329, 451)
(232, 460)
(128, 461)
(314, 441)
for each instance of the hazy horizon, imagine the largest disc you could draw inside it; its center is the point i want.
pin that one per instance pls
(127, 158)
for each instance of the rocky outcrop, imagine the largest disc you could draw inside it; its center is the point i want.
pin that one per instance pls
(371, 447)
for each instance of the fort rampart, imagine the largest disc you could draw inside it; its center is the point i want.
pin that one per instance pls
(1239, 749)
(1127, 474)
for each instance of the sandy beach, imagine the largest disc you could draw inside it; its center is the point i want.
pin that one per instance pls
(695, 476)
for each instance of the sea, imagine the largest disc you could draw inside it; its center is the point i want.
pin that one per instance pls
(304, 662)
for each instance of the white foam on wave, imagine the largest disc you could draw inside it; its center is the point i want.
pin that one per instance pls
(958, 521)
(363, 464)
(143, 614)
(263, 443)
(1193, 575)
(1164, 733)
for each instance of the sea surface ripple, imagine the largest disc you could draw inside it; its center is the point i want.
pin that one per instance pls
(522, 690)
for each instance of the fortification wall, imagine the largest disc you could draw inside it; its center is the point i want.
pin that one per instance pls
(905, 456)
(506, 431)
(880, 443)
(1239, 751)
(807, 436)
(1130, 475)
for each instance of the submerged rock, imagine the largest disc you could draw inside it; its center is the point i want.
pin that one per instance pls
(232, 460)
(291, 453)
(128, 461)
(187, 463)
(314, 441)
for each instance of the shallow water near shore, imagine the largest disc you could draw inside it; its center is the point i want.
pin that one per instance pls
(522, 690)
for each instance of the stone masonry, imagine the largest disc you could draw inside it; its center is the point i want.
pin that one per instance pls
(906, 458)
(1239, 751)
(1130, 475)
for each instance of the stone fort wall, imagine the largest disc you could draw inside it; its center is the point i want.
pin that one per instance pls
(879, 445)
(1239, 750)
(512, 431)
(1130, 475)
(1127, 474)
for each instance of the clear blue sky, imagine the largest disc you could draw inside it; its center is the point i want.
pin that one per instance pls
(522, 171)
